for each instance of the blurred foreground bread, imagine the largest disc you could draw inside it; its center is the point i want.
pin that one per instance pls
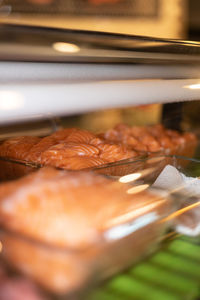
(67, 226)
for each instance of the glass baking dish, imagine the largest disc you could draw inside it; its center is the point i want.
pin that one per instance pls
(121, 71)
(74, 148)
(180, 177)
(62, 270)
(127, 233)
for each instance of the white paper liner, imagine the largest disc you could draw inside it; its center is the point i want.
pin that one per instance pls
(187, 223)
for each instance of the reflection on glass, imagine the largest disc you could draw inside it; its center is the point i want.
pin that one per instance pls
(181, 211)
(10, 100)
(135, 213)
(129, 177)
(134, 176)
(123, 230)
(137, 189)
(192, 86)
(65, 47)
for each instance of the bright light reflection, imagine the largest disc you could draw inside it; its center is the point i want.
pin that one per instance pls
(148, 171)
(155, 159)
(192, 86)
(187, 230)
(130, 177)
(181, 211)
(135, 213)
(137, 189)
(123, 230)
(10, 100)
(65, 47)
(134, 176)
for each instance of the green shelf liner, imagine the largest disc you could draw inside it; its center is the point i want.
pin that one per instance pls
(172, 273)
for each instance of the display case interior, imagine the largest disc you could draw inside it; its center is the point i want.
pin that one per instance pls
(167, 209)
(99, 169)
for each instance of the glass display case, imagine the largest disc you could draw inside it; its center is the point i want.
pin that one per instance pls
(91, 209)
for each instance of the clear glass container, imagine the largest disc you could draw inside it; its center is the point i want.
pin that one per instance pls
(126, 226)
(96, 70)
(123, 240)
